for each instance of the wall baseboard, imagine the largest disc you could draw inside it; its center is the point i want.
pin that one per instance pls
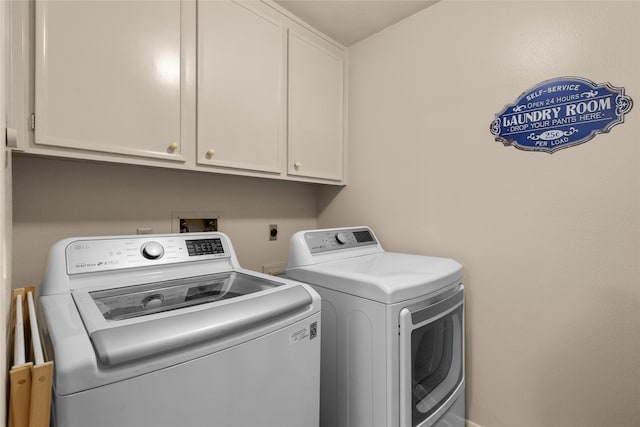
(472, 424)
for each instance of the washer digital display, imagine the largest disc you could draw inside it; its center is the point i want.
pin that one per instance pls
(363, 236)
(204, 247)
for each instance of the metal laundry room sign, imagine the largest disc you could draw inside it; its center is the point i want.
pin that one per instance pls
(560, 113)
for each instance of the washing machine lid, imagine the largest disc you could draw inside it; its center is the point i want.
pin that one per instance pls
(132, 323)
(143, 300)
(387, 277)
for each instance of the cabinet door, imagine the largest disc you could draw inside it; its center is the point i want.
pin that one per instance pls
(316, 107)
(108, 76)
(241, 110)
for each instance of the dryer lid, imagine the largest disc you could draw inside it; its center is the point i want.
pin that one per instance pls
(387, 277)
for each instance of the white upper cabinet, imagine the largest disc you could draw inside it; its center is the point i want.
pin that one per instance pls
(316, 107)
(108, 77)
(241, 86)
(236, 87)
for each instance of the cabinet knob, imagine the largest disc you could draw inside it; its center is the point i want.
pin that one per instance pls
(210, 152)
(297, 165)
(173, 146)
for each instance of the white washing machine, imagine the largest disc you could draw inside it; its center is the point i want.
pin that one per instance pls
(169, 330)
(392, 331)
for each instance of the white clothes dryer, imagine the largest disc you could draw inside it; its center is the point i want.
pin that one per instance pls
(392, 331)
(169, 330)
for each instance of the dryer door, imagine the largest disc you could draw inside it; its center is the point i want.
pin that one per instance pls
(431, 359)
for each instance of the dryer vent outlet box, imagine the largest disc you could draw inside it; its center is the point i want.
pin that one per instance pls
(194, 222)
(197, 225)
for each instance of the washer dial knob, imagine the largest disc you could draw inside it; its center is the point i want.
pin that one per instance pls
(152, 250)
(341, 238)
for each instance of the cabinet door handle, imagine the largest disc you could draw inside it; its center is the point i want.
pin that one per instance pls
(297, 165)
(210, 153)
(173, 147)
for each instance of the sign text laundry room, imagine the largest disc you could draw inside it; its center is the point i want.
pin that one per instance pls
(560, 113)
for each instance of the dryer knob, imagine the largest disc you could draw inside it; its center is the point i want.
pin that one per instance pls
(152, 250)
(341, 238)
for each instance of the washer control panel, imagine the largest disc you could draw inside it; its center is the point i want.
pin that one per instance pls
(331, 240)
(92, 255)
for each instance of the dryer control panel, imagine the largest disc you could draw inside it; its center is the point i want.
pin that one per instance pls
(337, 239)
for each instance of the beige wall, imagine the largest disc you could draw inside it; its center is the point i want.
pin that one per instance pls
(550, 243)
(54, 199)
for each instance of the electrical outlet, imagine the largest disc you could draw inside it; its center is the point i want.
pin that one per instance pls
(273, 232)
